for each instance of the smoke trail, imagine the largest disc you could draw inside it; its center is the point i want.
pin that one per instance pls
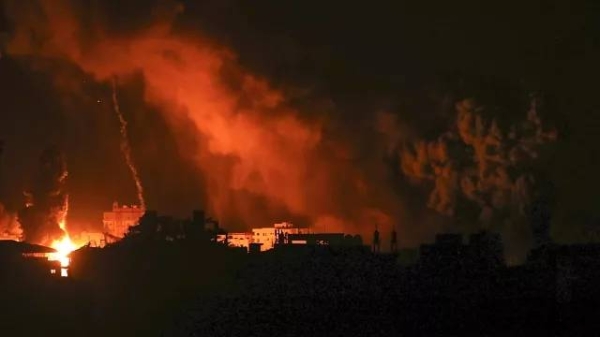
(126, 148)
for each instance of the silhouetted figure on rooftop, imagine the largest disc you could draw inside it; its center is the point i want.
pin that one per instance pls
(394, 241)
(376, 245)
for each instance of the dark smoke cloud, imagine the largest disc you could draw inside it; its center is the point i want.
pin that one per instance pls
(483, 174)
(46, 202)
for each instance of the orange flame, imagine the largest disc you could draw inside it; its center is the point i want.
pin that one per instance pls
(63, 248)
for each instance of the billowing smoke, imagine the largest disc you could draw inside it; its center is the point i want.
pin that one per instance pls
(262, 159)
(46, 205)
(126, 147)
(484, 174)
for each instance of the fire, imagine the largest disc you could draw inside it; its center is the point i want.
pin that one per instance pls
(63, 248)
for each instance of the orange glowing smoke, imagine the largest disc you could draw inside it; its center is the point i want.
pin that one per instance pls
(257, 153)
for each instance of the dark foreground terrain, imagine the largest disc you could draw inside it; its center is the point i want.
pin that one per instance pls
(178, 290)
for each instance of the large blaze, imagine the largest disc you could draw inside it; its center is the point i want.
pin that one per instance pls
(44, 217)
(63, 248)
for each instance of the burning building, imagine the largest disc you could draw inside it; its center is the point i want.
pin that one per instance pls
(117, 222)
(22, 258)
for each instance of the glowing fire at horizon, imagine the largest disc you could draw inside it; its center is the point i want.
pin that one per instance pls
(64, 246)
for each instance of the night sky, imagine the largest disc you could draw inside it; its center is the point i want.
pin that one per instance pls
(291, 73)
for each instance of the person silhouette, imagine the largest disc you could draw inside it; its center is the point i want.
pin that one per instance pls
(376, 246)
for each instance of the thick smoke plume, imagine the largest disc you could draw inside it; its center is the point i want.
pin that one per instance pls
(46, 205)
(484, 174)
(126, 147)
(262, 160)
